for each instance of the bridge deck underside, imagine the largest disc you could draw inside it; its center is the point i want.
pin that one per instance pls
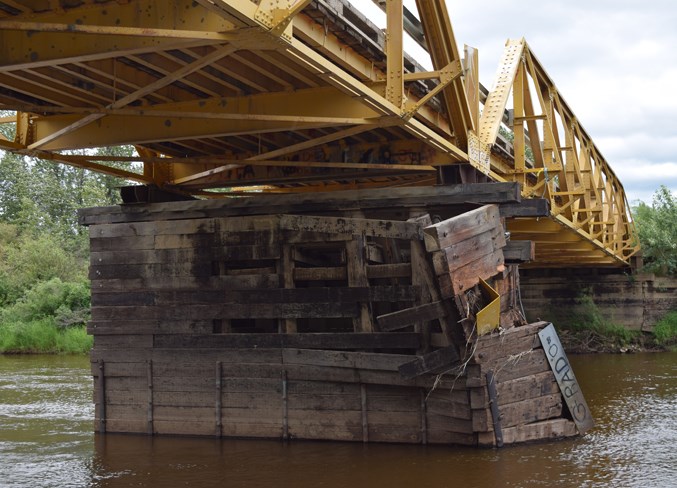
(220, 97)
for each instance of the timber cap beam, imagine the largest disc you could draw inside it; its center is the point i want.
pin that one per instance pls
(262, 204)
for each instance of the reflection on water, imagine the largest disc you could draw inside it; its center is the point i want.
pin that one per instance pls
(46, 440)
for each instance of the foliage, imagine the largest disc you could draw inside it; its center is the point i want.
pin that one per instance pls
(44, 292)
(26, 260)
(657, 225)
(43, 197)
(53, 298)
(665, 330)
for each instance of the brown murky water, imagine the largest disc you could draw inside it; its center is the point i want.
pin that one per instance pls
(46, 440)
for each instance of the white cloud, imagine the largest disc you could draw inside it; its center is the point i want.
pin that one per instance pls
(614, 61)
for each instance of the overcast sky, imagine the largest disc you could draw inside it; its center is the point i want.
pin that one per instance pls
(614, 61)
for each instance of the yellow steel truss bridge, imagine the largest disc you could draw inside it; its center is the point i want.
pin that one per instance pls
(221, 97)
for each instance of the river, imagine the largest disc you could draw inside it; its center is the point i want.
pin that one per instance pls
(47, 440)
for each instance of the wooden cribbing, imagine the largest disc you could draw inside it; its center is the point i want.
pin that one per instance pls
(436, 361)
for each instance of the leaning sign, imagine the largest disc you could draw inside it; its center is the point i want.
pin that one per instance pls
(566, 379)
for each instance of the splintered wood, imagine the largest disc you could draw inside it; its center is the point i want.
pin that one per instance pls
(357, 325)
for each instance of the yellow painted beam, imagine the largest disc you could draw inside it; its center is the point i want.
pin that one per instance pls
(443, 50)
(22, 50)
(116, 129)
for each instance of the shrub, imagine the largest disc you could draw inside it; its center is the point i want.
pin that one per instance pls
(53, 298)
(665, 330)
(49, 318)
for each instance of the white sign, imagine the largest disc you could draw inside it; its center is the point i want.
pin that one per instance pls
(566, 379)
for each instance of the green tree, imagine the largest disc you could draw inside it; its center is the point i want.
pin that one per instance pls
(657, 225)
(44, 253)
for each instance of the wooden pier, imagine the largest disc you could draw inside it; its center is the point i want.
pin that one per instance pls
(314, 316)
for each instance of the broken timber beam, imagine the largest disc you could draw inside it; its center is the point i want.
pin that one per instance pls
(519, 251)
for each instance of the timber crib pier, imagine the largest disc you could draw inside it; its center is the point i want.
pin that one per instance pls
(391, 316)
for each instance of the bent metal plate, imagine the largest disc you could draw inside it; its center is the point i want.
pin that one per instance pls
(566, 379)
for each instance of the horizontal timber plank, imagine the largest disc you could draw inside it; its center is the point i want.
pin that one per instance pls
(324, 402)
(131, 327)
(436, 361)
(375, 340)
(201, 268)
(546, 430)
(392, 229)
(404, 293)
(532, 386)
(531, 410)
(410, 402)
(190, 226)
(374, 271)
(408, 316)
(101, 244)
(445, 423)
(322, 388)
(183, 413)
(226, 311)
(529, 363)
(188, 355)
(183, 283)
(521, 412)
(124, 341)
(345, 359)
(532, 207)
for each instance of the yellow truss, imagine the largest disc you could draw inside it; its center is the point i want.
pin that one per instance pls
(299, 95)
(564, 165)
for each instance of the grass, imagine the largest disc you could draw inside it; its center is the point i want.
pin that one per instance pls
(43, 336)
(49, 318)
(665, 330)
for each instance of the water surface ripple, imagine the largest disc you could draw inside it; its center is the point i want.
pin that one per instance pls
(47, 440)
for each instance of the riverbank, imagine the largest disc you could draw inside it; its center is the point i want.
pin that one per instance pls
(592, 334)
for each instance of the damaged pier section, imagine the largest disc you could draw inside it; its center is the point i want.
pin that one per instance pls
(382, 316)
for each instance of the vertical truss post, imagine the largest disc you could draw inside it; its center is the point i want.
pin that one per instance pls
(395, 52)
